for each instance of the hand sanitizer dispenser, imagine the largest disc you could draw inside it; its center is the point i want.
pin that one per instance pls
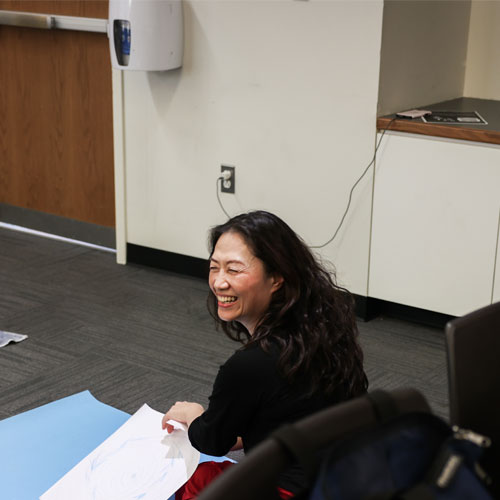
(145, 35)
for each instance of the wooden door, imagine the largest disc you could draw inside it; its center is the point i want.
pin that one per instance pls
(56, 120)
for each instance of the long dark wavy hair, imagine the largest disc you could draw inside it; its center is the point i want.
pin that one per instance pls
(310, 318)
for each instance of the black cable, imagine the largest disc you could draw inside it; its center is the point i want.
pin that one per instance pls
(350, 194)
(355, 184)
(221, 179)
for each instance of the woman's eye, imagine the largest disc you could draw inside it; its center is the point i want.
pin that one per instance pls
(212, 268)
(234, 271)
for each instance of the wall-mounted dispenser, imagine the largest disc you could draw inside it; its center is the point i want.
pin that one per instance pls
(145, 35)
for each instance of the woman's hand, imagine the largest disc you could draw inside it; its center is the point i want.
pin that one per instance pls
(238, 445)
(183, 412)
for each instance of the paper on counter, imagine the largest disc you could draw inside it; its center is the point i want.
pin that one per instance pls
(139, 461)
(6, 337)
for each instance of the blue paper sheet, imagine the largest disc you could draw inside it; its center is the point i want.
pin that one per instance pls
(39, 446)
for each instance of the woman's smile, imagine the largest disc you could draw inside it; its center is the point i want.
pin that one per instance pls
(226, 300)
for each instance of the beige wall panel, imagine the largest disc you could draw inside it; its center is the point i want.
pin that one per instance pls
(482, 77)
(287, 92)
(424, 49)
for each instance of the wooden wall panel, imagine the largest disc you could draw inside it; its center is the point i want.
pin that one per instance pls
(56, 133)
(83, 8)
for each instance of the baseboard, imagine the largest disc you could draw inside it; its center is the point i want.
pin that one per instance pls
(366, 308)
(169, 261)
(361, 307)
(57, 225)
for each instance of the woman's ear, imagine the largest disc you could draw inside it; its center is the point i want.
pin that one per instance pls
(277, 282)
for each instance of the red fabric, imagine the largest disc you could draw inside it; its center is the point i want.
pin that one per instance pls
(284, 494)
(204, 474)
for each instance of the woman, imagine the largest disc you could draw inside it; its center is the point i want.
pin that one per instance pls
(300, 351)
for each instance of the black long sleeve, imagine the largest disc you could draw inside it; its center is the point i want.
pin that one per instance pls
(237, 396)
(250, 399)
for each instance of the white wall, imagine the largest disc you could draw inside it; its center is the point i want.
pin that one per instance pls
(482, 77)
(284, 90)
(424, 50)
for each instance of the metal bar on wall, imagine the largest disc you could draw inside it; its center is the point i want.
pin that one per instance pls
(49, 21)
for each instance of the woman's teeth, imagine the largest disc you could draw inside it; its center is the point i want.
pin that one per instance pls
(226, 299)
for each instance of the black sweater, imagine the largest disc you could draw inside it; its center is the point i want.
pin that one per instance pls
(250, 399)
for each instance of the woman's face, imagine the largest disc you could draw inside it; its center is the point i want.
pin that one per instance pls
(239, 281)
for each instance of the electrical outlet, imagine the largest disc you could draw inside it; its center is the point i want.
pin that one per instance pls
(228, 183)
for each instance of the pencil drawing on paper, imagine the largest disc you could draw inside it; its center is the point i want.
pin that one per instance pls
(138, 462)
(115, 473)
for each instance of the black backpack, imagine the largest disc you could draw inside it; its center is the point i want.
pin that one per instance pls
(410, 456)
(383, 445)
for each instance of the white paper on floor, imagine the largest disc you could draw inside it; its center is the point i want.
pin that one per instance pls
(140, 460)
(6, 337)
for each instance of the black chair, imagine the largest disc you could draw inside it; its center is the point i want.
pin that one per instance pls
(256, 475)
(473, 351)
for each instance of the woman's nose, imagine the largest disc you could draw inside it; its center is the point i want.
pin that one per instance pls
(220, 282)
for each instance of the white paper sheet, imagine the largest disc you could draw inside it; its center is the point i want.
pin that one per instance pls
(6, 337)
(139, 461)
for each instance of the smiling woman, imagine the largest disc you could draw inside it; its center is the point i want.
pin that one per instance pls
(300, 351)
(240, 282)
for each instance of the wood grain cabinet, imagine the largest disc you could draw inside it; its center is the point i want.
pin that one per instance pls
(435, 223)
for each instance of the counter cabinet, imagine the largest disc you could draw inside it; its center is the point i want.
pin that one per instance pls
(435, 223)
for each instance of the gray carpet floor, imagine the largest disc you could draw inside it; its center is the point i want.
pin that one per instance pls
(133, 334)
